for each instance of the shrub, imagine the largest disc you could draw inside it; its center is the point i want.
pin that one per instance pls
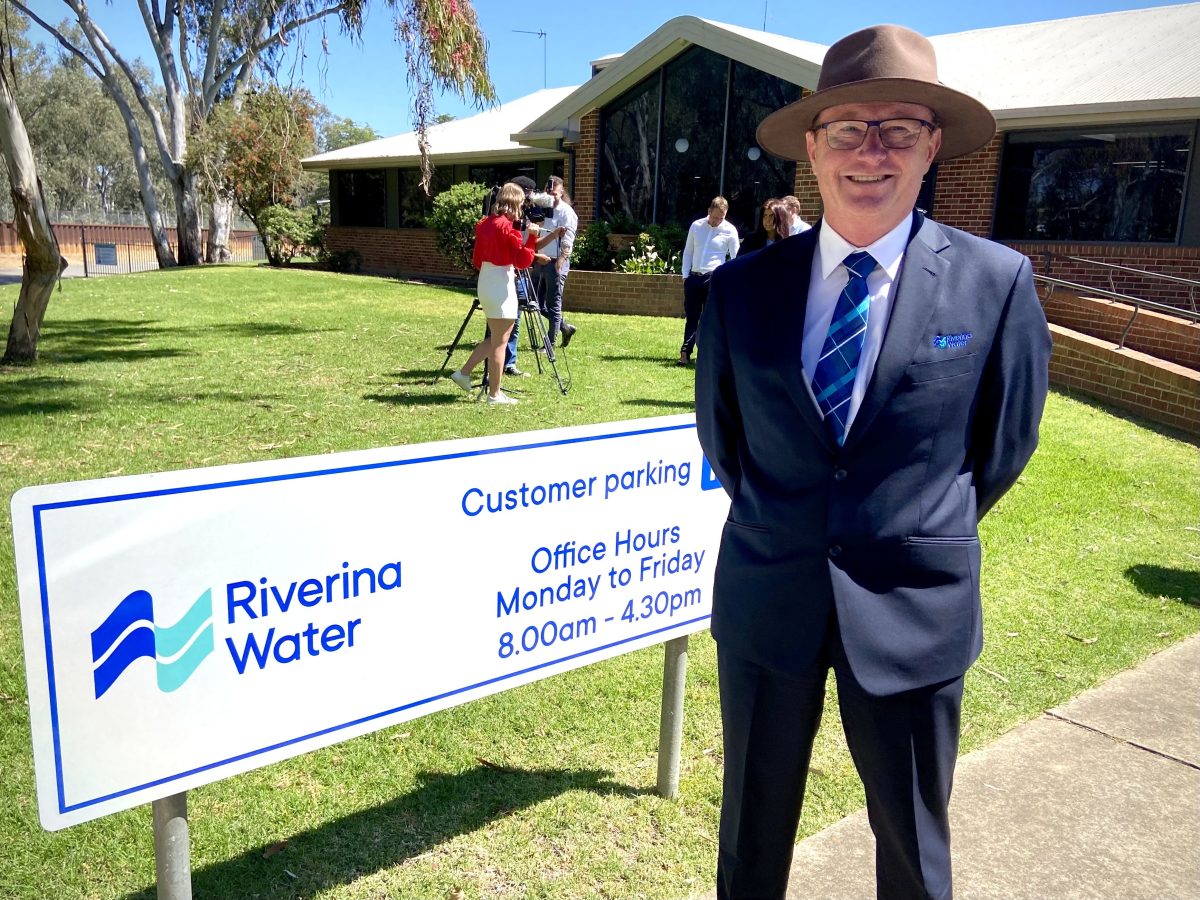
(644, 259)
(591, 248)
(455, 214)
(341, 260)
(288, 232)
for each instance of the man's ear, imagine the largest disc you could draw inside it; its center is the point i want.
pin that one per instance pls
(935, 144)
(810, 141)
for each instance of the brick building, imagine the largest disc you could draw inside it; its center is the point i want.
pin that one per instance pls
(1095, 160)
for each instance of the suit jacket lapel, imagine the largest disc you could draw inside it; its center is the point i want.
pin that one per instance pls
(917, 294)
(796, 269)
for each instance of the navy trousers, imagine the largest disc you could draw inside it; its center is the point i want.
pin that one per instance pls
(904, 747)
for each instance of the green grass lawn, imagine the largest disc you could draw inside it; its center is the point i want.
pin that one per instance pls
(1092, 562)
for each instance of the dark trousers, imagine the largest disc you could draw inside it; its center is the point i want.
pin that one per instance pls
(695, 295)
(550, 284)
(904, 747)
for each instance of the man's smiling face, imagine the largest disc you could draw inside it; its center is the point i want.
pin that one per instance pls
(868, 191)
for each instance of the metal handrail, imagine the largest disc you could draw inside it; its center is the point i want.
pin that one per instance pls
(1190, 282)
(1136, 302)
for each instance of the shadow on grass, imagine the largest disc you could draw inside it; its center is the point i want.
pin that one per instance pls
(340, 852)
(1158, 581)
(37, 395)
(1118, 412)
(686, 405)
(413, 399)
(262, 329)
(36, 408)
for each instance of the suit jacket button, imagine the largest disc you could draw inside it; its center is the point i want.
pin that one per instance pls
(839, 475)
(835, 550)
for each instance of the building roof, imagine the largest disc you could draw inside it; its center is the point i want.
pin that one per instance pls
(480, 137)
(1133, 64)
(1130, 65)
(1126, 66)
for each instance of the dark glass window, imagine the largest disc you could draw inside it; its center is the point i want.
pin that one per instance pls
(490, 176)
(1123, 184)
(415, 206)
(751, 174)
(693, 128)
(706, 147)
(628, 153)
(361, 197)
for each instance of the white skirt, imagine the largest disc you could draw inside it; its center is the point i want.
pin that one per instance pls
(498, 291)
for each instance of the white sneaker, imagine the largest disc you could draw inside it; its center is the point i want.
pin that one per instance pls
(502, 399)
(461, 379)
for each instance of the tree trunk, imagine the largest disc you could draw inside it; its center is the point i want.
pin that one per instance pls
(220, 224)
(43, 261)
(189, 250)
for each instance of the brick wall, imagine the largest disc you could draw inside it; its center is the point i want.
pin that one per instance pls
(587, 160)
(1156, 390)
(1163, 337)
(616, 292)
(966, 189)
(395, 251)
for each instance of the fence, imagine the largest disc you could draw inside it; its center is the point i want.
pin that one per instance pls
(92, 250)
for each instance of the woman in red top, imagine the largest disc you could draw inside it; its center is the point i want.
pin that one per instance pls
(499, 251)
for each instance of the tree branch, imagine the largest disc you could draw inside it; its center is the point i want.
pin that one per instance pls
(216, 17)
(251, 54)
(53, 32)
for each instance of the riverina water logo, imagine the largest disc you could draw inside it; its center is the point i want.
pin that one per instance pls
(130, 632)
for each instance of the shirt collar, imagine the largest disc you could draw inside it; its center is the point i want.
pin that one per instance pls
(888, 251)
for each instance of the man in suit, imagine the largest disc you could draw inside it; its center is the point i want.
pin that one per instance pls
(869, 389)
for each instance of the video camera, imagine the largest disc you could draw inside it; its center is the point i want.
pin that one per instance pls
(536, 203)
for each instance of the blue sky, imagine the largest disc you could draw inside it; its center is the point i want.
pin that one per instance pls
(367, 83)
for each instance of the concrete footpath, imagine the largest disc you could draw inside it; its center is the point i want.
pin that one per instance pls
(1098, 798)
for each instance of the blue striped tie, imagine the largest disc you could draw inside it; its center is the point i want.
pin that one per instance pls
(833, 382)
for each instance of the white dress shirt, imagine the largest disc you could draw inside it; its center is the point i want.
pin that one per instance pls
(799, 225)
(561, 215)
(825, 283)
(707, 247)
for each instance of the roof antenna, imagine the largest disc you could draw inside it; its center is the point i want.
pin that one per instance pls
(765, 15)
(542, 35)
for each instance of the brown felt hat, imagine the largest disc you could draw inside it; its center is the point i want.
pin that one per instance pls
(888, 64)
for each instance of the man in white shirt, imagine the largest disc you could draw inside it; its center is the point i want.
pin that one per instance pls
(793, 204)
(551, 277)
(710, 242)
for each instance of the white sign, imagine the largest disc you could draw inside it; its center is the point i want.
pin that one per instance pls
(187, 626)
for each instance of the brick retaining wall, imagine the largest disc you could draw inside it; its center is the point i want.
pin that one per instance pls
(1151, 388)
(395, 251)
(616, 292)
(1161, 336)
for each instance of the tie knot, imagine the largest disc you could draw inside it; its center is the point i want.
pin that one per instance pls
(860, 263)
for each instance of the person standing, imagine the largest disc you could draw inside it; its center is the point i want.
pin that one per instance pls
(551, 276)
(776, 225)
(499, 251)
(861, 429)
(799, 226)
(710, 241)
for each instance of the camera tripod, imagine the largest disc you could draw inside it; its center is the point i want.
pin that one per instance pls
(528, 309)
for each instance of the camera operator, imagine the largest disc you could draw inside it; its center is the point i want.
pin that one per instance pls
(551, 276)
(499, 250)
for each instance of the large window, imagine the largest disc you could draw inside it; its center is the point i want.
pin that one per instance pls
(629, 155)
(1103, 184)
(686, 134)
(415, 206)
(361, 197)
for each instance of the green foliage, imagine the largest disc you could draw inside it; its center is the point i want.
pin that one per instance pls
(456, 211)
(644, 258)
(288, 232)
(349, 260)
(667, 239)
(591, 248)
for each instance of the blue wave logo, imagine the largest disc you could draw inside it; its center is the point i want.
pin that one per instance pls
(129, 633)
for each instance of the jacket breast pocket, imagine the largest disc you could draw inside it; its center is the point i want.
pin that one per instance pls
(939, 369)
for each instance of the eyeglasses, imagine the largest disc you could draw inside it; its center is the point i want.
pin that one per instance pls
(894, 134)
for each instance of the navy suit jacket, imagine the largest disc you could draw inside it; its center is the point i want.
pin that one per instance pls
(884, 528)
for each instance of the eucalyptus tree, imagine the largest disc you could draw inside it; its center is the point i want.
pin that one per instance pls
(208, 50)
